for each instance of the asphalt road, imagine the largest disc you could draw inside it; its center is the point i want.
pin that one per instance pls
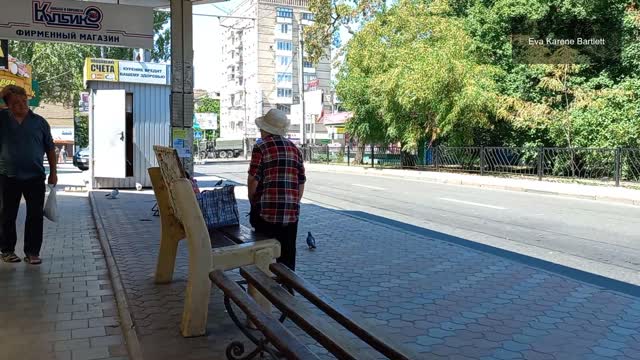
(594, 236)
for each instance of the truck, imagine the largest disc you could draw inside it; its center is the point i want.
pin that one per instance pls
(227, 148)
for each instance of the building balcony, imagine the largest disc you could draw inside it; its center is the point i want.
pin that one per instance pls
(282, 36)
(283, 68)
(284, 20)
(286, 101)
(284, 84)
(284, 52)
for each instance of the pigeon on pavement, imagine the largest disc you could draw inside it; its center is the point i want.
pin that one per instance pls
(311, 241)
(113, 194)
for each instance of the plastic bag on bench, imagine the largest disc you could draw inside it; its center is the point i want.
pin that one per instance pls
(219, 207)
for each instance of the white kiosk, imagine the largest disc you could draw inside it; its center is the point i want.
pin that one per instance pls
(129, 112)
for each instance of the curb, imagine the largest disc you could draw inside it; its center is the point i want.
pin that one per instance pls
(126, 322)
(516, 188)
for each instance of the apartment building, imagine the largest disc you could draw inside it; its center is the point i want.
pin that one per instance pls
(261, 69)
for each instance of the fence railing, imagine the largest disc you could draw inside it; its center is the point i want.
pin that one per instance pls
(620, 165)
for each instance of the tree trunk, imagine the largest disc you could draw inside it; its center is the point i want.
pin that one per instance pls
(359, 154)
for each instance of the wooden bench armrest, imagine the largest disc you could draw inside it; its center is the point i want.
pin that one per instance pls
(318, 328)
(277, 334)
(351, 322)
(234, 256)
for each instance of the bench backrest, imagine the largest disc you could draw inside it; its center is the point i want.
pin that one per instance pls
(183, 203)
(169, 163)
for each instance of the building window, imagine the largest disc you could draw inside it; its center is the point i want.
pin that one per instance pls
(307, 16)
(284, 28)
(284, 12)
(233, 100)
(283, 60)
(284, 77)
(284, 108)
(284, 45)
(284, 93)
(307, 78)
(307, 64)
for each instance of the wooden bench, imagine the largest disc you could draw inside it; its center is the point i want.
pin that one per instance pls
(221, 249)
(280, 342)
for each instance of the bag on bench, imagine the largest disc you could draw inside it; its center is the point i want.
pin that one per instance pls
(219, 207)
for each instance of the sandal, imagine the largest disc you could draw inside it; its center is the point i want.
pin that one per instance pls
(32, 259)
(10, 257)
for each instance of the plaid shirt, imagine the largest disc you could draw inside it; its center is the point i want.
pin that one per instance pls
(278, 166)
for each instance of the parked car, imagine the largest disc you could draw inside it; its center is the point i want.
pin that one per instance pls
(81, 159)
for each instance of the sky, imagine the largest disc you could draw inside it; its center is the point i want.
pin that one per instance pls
(207, 40)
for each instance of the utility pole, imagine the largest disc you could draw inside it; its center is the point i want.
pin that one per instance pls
(245, 145)
(245, 121)
(303, 130)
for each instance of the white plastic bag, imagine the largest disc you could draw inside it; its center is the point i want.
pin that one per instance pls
(51, 205)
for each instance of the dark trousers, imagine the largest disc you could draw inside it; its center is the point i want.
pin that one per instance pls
(11, 192)
(285, 234)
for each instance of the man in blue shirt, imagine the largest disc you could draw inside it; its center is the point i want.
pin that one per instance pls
(24, 138)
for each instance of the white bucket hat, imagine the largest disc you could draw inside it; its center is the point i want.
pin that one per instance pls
(274, 122)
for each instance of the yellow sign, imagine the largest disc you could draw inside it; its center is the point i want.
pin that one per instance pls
(18, 74)
(340, 130)
(101, 70)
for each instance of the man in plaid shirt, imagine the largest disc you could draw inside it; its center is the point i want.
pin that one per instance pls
(276, 184)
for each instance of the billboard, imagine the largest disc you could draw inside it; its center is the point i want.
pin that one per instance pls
(126, 71)
(142, 73)
(207, 121)
(77, 22)
(101, 70)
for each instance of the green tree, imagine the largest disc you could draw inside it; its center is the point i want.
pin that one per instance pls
(423, 78)
(162, 49)
(208, 105)
(329, 16)
(81, 132)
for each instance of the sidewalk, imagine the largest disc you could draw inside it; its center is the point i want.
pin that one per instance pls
(445, 300)
(63, 309)
(592, 192)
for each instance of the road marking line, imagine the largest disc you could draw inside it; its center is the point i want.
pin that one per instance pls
(474, 204)
(369, 187)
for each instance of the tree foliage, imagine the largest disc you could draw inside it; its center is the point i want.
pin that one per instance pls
(81, 131)
(162, 49)
(446, 69)
(329, 16)
(208, 105)
(411, 73)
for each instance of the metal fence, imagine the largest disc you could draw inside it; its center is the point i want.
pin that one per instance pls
(620, 166)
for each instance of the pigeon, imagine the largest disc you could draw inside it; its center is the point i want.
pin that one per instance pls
(113, 194)
(311, 241)
(219, 183)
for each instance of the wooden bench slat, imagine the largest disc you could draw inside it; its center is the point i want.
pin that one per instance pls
(277, 334)
(242, 233)
(367, 334)
(318, 328)
(219, 239)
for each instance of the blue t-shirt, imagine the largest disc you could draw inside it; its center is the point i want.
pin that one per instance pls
(22, 146)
